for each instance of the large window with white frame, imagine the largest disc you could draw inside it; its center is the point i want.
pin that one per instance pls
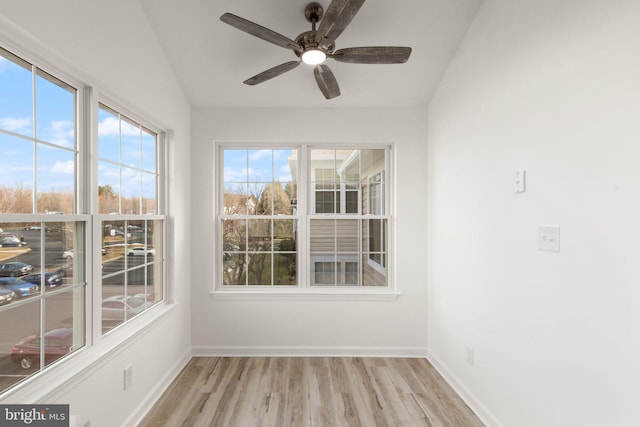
(131, 231)
(42, 285)
(302, 217)
(58, 211)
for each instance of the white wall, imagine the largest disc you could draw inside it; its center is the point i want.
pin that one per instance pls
(222, 326)
(109, 45)
(552, 87)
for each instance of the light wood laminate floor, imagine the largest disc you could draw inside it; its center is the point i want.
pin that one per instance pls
(308, 392)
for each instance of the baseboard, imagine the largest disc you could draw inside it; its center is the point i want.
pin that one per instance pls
(269, 351)
(469, 398)
(145, 406)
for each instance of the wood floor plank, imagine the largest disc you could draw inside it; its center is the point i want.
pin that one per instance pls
(309, 392)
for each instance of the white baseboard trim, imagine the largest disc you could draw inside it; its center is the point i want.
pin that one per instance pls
(268, 351)
(145, 406)
(469, 398)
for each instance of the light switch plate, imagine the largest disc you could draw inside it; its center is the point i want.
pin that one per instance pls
(549, 238)
(520, 184)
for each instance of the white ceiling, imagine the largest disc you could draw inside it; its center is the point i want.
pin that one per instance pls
(212, 59)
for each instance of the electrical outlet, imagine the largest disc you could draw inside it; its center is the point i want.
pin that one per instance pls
(128, 376)
(549, 238)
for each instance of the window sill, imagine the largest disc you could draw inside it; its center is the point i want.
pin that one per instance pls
(307, 294)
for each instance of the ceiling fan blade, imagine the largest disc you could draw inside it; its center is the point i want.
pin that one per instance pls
(271, 73)
(336, 18)
(326, 81)
(259, 31)
(373, 55)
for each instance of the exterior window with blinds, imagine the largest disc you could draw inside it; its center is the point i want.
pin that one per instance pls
(302, 217)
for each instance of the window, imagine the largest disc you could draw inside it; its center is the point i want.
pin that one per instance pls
(132, 244)
(128, 166)
(303, 217)
(41, 292)
(54, 215)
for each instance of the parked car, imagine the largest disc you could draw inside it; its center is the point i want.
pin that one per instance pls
(113, 308)
(6, 296)
(66, 271)
(57, 343)
(19, 286)
(11, 241)
(15, 269)
(141, 251)
(68, 254)
(51, 279)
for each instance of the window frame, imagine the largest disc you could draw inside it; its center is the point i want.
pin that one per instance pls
(100, 100)
(303, 205)
(95, 345)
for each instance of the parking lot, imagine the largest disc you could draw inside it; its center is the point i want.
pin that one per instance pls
(21, 317)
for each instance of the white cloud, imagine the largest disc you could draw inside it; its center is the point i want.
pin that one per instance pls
(110, 126)
(63, 167)
(260, 154)
(22, 125)
(61, 133)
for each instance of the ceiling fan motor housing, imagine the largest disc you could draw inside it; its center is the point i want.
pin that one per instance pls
(311, 40)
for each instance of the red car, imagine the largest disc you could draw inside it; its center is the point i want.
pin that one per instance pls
(57, 343)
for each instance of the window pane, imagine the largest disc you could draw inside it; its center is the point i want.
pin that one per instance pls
(16, 84)
(64, 323)
(55, 180)
(235, 166)
(108, 135)
(125, 149)
(16, 175)
(112, 300)
(149, 151)
(274, 200)
(234, 269)
(236, 200)
(322, 236)
(20, 328)
(131, 188)
(55, 111)
(108, 188)
(132, 269)
(259, 235)
(234, 235)
(149, 193)
(346, 231)
(259, 268)
(64, 253)
(285, 269)
(130, 143)
(258, 182)
(325, 273)
(31, 255)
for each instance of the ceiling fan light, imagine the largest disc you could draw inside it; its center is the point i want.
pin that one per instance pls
(313, 56)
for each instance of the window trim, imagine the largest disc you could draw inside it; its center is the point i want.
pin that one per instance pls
(304, 290)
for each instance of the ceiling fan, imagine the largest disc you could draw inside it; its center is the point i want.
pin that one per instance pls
(315, 46)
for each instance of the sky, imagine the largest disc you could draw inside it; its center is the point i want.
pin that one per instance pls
(55, 124)
(256, 166)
